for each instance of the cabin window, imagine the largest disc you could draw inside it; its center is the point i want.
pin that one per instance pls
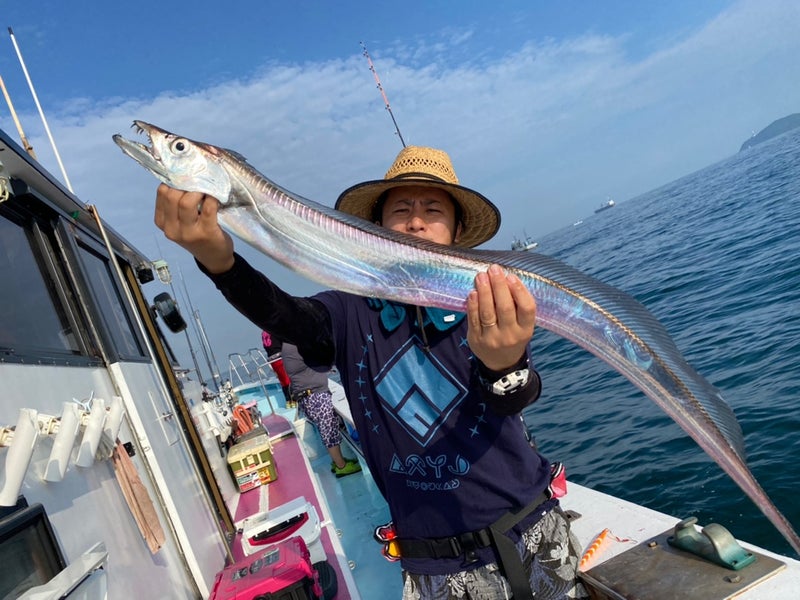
(35, 313)
(29, 552)
(61, 302)
(118, 322)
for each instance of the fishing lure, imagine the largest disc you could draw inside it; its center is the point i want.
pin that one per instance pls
(594, 548)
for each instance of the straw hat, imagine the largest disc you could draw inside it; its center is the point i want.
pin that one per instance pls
(429, 167)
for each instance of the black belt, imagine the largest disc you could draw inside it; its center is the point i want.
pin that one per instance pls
(450, 547)
(466, 544)
(301, 395)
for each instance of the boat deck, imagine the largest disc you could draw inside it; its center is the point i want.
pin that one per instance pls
(637, 525)
(349, 509)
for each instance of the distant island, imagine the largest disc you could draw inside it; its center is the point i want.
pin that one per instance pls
(772, 130)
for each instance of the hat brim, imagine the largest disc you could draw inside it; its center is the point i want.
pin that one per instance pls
(481, 218)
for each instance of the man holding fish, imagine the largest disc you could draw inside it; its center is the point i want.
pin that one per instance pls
(436, 395)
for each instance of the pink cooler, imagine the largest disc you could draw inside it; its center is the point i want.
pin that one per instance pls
(282, 571)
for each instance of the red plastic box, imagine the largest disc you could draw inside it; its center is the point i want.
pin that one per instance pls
(281, 572)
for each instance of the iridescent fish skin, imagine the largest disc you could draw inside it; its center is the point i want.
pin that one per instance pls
(349, 254)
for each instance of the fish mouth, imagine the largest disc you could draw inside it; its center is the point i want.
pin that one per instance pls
(146, 155)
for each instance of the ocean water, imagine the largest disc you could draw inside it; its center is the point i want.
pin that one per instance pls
(715, 256)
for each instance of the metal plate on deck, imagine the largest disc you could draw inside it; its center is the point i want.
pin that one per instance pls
(654, 570)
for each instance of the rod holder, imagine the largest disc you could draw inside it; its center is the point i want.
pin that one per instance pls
(92, 433)
(62, 445)
(19, 455)
(116, 412)
(108, 440)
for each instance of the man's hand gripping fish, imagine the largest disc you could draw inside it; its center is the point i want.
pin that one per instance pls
(353, 255)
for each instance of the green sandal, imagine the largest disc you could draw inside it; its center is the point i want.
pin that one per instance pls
(350, 466)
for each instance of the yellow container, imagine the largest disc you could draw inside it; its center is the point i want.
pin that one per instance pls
(251, 462)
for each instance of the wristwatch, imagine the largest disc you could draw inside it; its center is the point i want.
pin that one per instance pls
(510, 382)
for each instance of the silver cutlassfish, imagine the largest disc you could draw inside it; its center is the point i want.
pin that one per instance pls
(353, 255)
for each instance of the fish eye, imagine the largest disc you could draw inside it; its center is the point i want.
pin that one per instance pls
(179, 146)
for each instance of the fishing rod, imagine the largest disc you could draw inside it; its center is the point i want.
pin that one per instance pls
(25, 144)
(205, 345)
(383, 93)
(39, 107)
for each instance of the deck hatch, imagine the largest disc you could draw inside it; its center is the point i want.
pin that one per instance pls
(655, 570)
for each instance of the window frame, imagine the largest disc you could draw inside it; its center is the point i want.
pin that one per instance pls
(74, 243)
(57, 243)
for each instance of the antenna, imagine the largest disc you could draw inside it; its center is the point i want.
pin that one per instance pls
(41, 113)
(385, 99)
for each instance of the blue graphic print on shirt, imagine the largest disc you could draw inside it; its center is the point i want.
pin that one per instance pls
(418, 391)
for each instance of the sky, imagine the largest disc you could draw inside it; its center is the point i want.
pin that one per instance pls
(547, 108)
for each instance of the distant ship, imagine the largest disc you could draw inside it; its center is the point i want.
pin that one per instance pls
(605, 206)
(527, 244)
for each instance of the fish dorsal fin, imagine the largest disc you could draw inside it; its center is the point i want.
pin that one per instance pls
(236, 155)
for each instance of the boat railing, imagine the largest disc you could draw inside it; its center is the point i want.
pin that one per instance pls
(234, 374)
(233, 370)
(258, 357)
(263, 376)
(250, 369)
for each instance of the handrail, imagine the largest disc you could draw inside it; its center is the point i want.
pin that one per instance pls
(261, 381)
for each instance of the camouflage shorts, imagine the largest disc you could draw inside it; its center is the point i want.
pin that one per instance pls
(552, 570)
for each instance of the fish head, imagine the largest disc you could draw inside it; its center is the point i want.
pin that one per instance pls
(179, 162)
